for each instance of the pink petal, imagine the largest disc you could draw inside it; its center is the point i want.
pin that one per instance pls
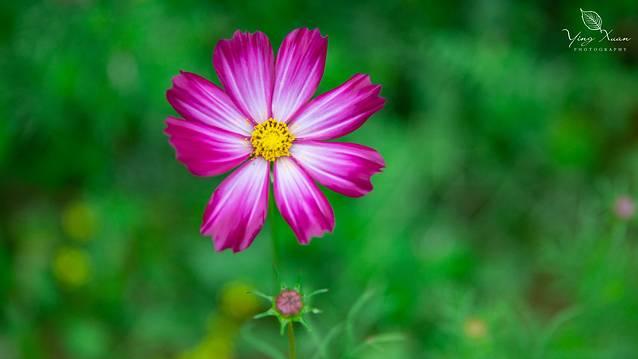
(198, 99)
(300, 201)
(237, 210)
(299, 67)
(205, 150)
(245, 66)
(339, 111)
(343, 167)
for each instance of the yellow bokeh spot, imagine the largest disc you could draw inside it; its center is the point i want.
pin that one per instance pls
(79, 221)
(238, 301)
(218, 347)
(271, 139)
(72, 266)
(475, 328)
(219, 342)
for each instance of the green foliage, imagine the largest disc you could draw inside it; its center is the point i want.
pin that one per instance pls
(490, 234)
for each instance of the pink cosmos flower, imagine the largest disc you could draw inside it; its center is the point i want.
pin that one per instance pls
(264, 114)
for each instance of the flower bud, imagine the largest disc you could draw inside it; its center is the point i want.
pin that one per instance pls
(290, 305)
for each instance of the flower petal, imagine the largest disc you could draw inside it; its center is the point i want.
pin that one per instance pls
(205, 150)
(300, 201)
(339, 111)
(299, 67)
(343, 167)
(198, 99)
(237, 210)
(245, 66)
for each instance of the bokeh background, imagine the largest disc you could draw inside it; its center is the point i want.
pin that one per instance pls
(492, 233)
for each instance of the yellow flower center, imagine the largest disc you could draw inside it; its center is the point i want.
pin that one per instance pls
(271, 139)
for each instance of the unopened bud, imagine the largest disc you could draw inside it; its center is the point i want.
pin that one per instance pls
(290, 305)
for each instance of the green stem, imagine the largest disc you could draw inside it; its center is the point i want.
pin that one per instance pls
(275, 265)
(275, 243)
(291, 342)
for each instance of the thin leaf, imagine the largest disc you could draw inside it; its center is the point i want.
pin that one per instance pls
(260, 345)
(322, 351)
(376, 340)
(354, 311)
(562, 318)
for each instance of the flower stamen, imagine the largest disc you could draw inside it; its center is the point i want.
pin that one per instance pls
(271, 139)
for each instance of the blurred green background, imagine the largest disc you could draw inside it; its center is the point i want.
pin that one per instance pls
(491, 233)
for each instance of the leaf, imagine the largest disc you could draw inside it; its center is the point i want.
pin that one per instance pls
(559, 320)
(591, 19)
(323, 347)
(260, 345)
(354, 311)
(376, 342)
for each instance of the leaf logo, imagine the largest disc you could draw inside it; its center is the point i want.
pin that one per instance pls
(592, 20)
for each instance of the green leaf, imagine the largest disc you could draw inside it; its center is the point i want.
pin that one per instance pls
(591, 19)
